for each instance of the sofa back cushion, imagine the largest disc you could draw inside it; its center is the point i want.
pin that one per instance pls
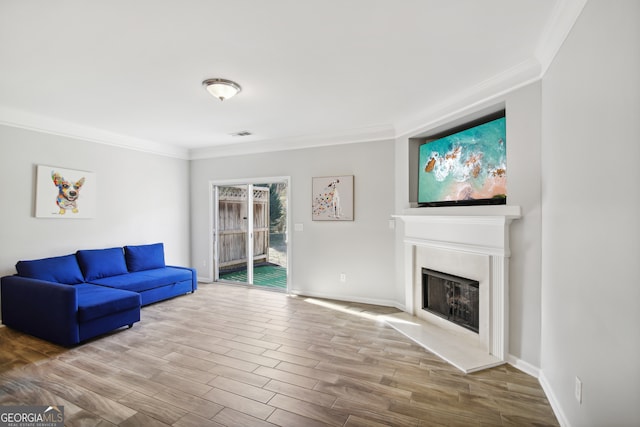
(99, 263)
(62, 269)
(144, 257)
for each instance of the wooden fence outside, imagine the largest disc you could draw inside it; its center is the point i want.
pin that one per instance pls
(232, 226)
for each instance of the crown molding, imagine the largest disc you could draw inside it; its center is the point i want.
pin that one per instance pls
(482, 95)
(351, 136)
(562, 19)
(34, 122)
(492, 91)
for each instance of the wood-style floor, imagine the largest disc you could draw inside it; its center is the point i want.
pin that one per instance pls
(234, 356)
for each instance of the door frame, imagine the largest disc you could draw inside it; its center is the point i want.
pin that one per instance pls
(213, 210)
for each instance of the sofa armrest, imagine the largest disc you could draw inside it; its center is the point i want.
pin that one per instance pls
(44, 309)
(194, 276)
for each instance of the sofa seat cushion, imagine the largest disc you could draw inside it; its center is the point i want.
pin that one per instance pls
(61, 269)
(98, 301)
(141, 281)
(144, 257)
(99, 263)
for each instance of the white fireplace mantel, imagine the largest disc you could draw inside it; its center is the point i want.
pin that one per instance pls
(478, 229)
(475, 230)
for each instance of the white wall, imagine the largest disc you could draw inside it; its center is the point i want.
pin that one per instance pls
(362, 249)
(523, 189)
(141, 198)
(523, 186)
(591, 218)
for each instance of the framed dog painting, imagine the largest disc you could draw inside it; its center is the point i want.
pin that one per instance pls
(333, 198)
(65, 193)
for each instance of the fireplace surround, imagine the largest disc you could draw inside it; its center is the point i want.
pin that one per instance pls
(467, 241)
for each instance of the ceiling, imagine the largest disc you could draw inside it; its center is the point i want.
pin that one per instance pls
(129, 72)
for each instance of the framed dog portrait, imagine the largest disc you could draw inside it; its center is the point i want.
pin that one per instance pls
(65, 193)
(332, 198)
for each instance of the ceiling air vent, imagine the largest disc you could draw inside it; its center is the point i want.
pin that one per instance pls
(241, 133)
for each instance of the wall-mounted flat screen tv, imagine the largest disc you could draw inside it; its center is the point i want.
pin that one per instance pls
(467, 167)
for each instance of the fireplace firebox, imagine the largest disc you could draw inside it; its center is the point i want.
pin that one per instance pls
(451, 297)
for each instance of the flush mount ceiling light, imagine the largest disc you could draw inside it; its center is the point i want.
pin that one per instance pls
(221, 88)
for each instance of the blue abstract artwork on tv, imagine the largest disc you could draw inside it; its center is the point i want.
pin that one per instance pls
(468, 167)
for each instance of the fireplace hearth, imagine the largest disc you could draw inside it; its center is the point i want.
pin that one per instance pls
(454, 298)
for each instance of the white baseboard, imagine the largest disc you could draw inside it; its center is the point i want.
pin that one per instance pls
(525, 367)
(400, 306)
(347, 298)
(553, 401)
(534, 371)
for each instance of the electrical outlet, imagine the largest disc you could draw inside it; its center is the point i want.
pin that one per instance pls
(343, 277)
(578, 390)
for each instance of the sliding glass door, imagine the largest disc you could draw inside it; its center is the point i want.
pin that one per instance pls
(250, 244)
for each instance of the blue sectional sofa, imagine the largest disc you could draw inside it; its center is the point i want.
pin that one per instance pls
(72, 298)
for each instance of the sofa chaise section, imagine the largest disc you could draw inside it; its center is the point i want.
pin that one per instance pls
(49, 299)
